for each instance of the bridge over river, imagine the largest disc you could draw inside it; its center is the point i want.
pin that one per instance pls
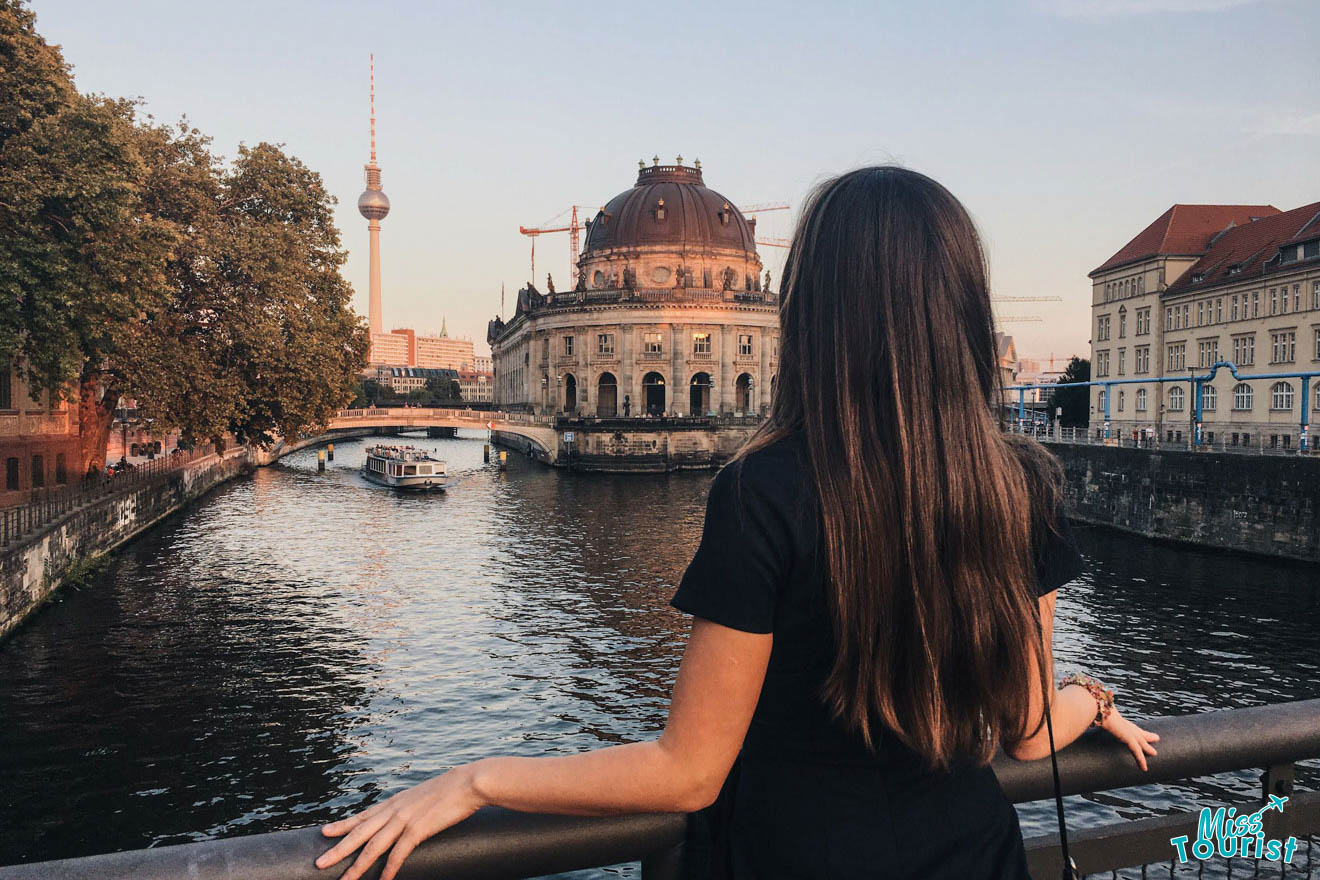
(537, 434)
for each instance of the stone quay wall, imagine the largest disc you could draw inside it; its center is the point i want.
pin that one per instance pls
(1263, 504)
(35, 566)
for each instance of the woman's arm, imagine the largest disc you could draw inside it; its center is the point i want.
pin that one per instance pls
(719, 683)
(1072, 709)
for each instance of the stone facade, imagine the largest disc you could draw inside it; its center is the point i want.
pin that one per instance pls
(669, 316)
(39, 445)
(1209, 283)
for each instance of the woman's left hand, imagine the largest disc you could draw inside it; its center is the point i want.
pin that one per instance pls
(399, 824)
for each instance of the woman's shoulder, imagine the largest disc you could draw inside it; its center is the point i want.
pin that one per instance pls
(777, 462)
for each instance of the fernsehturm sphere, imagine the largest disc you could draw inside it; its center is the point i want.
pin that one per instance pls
(374, 205)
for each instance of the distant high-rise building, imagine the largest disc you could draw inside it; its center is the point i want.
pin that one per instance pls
(375, 206)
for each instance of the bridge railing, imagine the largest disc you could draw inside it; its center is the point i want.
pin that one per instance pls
(1181, 442)
(503, 845)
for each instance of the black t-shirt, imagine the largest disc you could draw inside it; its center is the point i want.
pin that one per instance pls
(809, 799)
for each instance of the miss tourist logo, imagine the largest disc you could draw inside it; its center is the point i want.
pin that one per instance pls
(1222, 833)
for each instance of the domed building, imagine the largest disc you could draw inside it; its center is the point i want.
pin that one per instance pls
(670, 328)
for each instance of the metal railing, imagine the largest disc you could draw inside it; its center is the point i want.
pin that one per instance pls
(1154, 441)
(46, 505)
(503, 845)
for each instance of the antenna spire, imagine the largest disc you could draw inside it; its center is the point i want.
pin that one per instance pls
(373, 108)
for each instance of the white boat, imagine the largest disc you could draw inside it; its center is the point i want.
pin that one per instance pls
(404, 467)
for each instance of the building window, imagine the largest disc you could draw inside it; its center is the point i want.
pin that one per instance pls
(1177, 357)
(38, 472)
(1122, 359)
(1168, 318)
(1100, 401)
(653, 344)
(1274, 300)
(1283, 347)
(6, 387)
(1143, 322)
(1200, 313)
(1102, 328)
(61, 471)
(745, 344)
(1122, 322)
(1102, 363)
(1177, 398)
(604, 343)
(1209, 397)
(1315, 294)
(1141, 357)
(11, 472)
(1242, 396)
(1122, 396)
(1317, 344)
(1141, 400)
(1244, 350)
(1233, 303)
(568, 346)
(1207, 352)
(701, 343)
(1281, 396)
(1219, 310)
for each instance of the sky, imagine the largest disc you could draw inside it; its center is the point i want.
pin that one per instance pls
(1065, 126)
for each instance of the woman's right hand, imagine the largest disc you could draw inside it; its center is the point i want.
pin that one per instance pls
(1137, 740)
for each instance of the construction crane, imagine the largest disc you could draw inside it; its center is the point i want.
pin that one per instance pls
(574, 230)
(774, 242)
(1027, 299)
(767, 206)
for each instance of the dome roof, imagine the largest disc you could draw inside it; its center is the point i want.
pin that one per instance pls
(670, 205)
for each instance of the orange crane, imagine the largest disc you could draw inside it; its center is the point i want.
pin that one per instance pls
(574, 230)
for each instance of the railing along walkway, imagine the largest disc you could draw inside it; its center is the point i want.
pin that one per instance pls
(502, 845)
(51, 503)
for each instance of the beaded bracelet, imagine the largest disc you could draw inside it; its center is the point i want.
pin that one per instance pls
(1104, 697)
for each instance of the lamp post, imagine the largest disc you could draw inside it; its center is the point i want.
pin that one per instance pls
(752, 408)
(559, 393)
(122, 413)
(545, 385)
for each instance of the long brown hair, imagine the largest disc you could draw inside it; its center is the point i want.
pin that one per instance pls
(889, 366)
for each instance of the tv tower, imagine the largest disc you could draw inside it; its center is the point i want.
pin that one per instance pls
(374, 205)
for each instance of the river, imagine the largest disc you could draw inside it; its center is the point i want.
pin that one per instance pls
(298, 644)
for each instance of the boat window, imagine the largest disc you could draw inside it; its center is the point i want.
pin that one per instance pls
(423, 469)
(411, 470)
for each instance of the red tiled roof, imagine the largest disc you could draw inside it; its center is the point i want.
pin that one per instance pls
(1184, 230)
(1249, 247)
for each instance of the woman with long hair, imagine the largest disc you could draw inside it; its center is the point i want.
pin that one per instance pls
(873, 595)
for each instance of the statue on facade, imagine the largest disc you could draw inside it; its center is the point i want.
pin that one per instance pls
(728, 279)
(629, 278)
(766, 285)
(549, 283)
(627, 406)
(678, 277)
(581, 285)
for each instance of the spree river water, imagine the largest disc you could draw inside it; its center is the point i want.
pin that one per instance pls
(298, 644)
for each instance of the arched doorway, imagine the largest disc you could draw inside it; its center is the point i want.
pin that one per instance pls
(653, 387)
(570, 393)
(743, 393)
(607, 396)
(699, 395)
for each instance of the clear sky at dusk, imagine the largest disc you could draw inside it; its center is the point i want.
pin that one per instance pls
(1064, 125)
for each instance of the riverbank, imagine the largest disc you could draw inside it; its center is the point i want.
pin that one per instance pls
(34, 566)
(1262, 505)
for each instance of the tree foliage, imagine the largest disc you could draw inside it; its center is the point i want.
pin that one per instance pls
(1076, 402)
(134, 262)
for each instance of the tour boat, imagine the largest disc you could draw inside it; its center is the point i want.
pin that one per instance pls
(404, 467)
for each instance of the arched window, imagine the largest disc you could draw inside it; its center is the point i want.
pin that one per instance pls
(1122, 321)
(607, 395)
(1141, 400)
(1100, 401)
(570, 392)
(1281, 396)
(1209, 397)
(699, 394)
(1122, 396)
(1177, 398)
(1242, 396)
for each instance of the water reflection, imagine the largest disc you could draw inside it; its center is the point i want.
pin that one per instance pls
(298, 643)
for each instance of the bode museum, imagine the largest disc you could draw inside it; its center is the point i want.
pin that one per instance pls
(663, 354)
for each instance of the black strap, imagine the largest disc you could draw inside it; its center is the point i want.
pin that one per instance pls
(1069, 867)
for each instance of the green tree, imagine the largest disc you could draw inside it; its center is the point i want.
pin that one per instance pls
(1076, 402)
(132, 262)
(79, 258)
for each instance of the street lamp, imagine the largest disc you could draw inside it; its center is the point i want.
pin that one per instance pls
(559, 392)
(545, 385)
(122, 414)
